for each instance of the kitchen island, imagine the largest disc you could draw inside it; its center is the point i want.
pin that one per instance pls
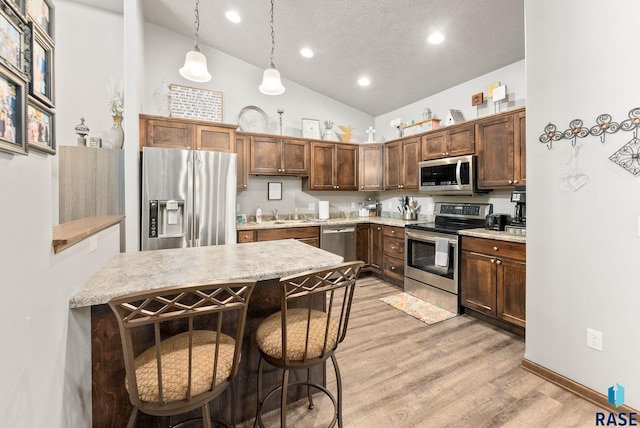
(265, 262)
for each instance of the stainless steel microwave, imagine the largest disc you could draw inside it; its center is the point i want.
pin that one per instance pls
(449, 176)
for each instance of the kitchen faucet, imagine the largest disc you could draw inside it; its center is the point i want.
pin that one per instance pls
(275, 214)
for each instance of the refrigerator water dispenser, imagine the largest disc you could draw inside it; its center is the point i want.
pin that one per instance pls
(166, 219)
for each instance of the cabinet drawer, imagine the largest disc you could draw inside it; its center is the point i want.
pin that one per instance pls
(495, 248)
(314, 242)
(246, 236)
(394, 231)
(393, 247)
(394, 268)
(288, 233)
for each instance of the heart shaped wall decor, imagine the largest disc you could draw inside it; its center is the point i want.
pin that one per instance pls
(574, 181)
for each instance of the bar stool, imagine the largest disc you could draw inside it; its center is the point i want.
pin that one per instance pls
(191, 359)
(300, 336)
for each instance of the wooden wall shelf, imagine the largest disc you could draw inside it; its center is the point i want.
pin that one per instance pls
(67, 234)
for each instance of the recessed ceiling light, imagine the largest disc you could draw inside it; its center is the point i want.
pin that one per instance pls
(306, 52)
(364, 81)
(233, 16)
(436, 38)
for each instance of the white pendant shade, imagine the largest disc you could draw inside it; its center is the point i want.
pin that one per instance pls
(195, 67)
(271, 84)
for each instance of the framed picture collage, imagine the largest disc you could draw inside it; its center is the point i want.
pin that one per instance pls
(27, 103)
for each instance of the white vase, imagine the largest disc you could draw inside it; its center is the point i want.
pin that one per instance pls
(329, 135)
(398, 132)
(116, 133)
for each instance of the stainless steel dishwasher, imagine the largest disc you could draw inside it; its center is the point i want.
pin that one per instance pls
(340, 240)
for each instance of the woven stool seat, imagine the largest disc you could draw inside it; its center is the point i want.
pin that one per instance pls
(174, 354)
(181, 346)
(269, 334)
(301, 336)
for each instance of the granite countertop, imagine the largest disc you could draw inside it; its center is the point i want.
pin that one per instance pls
(387, 221)
(145, 270)
(493, 234)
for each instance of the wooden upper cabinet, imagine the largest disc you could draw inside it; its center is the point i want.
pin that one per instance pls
(242, 162)
(322, 166)
(265, 156)
(401, 159)
(275, 156)
(393, 165)
(371, 167)
(334, 166)
(520, 149)
(295, 157)
(166, 133)
(172, 133)
(410, 159)
(501, 151)
(215, 138)
(456, 140)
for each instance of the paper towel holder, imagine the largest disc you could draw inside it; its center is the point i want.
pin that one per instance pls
(323, 210)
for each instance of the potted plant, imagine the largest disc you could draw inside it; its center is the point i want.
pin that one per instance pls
(329, 135)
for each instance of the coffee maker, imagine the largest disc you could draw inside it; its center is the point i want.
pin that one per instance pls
(519, 196)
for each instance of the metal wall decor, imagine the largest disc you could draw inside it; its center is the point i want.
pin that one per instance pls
(628, 156)
(603, 126)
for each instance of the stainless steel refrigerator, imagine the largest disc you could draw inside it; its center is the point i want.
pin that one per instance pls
(188, 198)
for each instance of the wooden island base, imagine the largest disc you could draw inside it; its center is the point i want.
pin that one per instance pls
(111, 406)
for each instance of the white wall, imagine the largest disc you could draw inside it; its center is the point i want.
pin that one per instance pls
(238, 81)
(45, 368)
(459, 98)
(582, 246)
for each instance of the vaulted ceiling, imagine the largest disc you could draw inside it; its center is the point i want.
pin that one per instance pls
(384, 40)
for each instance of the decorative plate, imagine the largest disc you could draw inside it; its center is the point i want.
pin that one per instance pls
(253, 119)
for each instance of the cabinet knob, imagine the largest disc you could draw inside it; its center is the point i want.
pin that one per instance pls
(446, 153)
(495, 248)
(443, 154)
(393, 248)
(393, 232)
(493, 260)
(515, 181)
(498, 262)
(283, 170)
(362, 187)
(402, 186)
(393, 268)
(379, 228)
(510, 181)
(337, 187)
(244, 185)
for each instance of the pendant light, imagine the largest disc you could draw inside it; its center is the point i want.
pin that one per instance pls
(195, 63)
(271, 84)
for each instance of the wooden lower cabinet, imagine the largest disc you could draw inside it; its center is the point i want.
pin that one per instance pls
(493, 279)
(369, 246)
(309, 235)
(393, 253)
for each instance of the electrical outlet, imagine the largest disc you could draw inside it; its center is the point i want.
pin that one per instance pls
(594, 339)
(93, 243)
(353, 205)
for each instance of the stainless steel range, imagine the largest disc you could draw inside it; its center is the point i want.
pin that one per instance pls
(431, 252)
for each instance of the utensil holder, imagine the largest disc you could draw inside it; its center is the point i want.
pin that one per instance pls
(409, 216)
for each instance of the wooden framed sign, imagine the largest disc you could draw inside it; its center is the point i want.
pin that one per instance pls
(194, 103)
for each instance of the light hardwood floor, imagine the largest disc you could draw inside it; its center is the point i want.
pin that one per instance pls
(399, 372)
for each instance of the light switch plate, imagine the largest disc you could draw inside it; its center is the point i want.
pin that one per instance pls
(93, 243)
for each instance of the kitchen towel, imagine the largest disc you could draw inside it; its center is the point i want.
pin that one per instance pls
(323, 210)
(442, 252)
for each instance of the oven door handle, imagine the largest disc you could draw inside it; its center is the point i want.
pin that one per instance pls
(422, 238)
(458, 178)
